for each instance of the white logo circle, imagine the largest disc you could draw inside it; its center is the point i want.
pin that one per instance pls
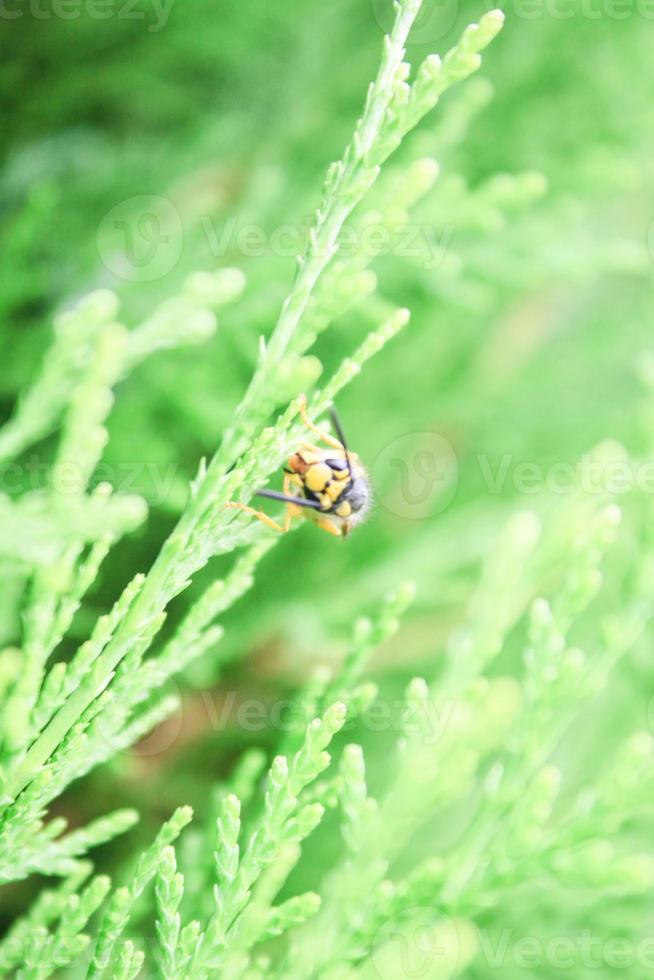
(434, 20)
(141, 238)
(418, 944)
(416, 476)
(155, 742)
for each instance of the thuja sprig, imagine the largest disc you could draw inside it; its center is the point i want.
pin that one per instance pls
(56, 590)
(46, 909)
(117, 913)
(368, 634)
(129, 962)
(284, 820)
(40, 407)
(248, 879)
(203, 524)
(44, 952)
(36, 528)
(435, 76)
(348, 686)
(187, 320)
(43, 851)
(346, 184)
(103, 732)
(169, 892)
(129, 710)
(93, 707)
(521, 787)
(378, 132)
(434, 762)
(105, 351)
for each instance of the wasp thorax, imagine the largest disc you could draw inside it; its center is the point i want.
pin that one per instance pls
(317, 477)
(297, 463)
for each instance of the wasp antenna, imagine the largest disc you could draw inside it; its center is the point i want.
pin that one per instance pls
(336, 422)
(288, 499)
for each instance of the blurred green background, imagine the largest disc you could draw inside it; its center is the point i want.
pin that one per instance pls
(530, 336)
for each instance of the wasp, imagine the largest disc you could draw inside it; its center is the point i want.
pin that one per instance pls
(325, 483)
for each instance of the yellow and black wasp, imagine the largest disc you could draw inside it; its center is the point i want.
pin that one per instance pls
(327, 485)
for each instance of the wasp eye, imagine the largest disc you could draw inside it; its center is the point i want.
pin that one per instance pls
(357, 494)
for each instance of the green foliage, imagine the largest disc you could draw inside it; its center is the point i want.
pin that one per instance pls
(371, 814)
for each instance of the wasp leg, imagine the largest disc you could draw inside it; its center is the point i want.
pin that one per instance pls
(260, 516)
(328, 526)
(309, 447)
(291, 511)
(325, 437)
